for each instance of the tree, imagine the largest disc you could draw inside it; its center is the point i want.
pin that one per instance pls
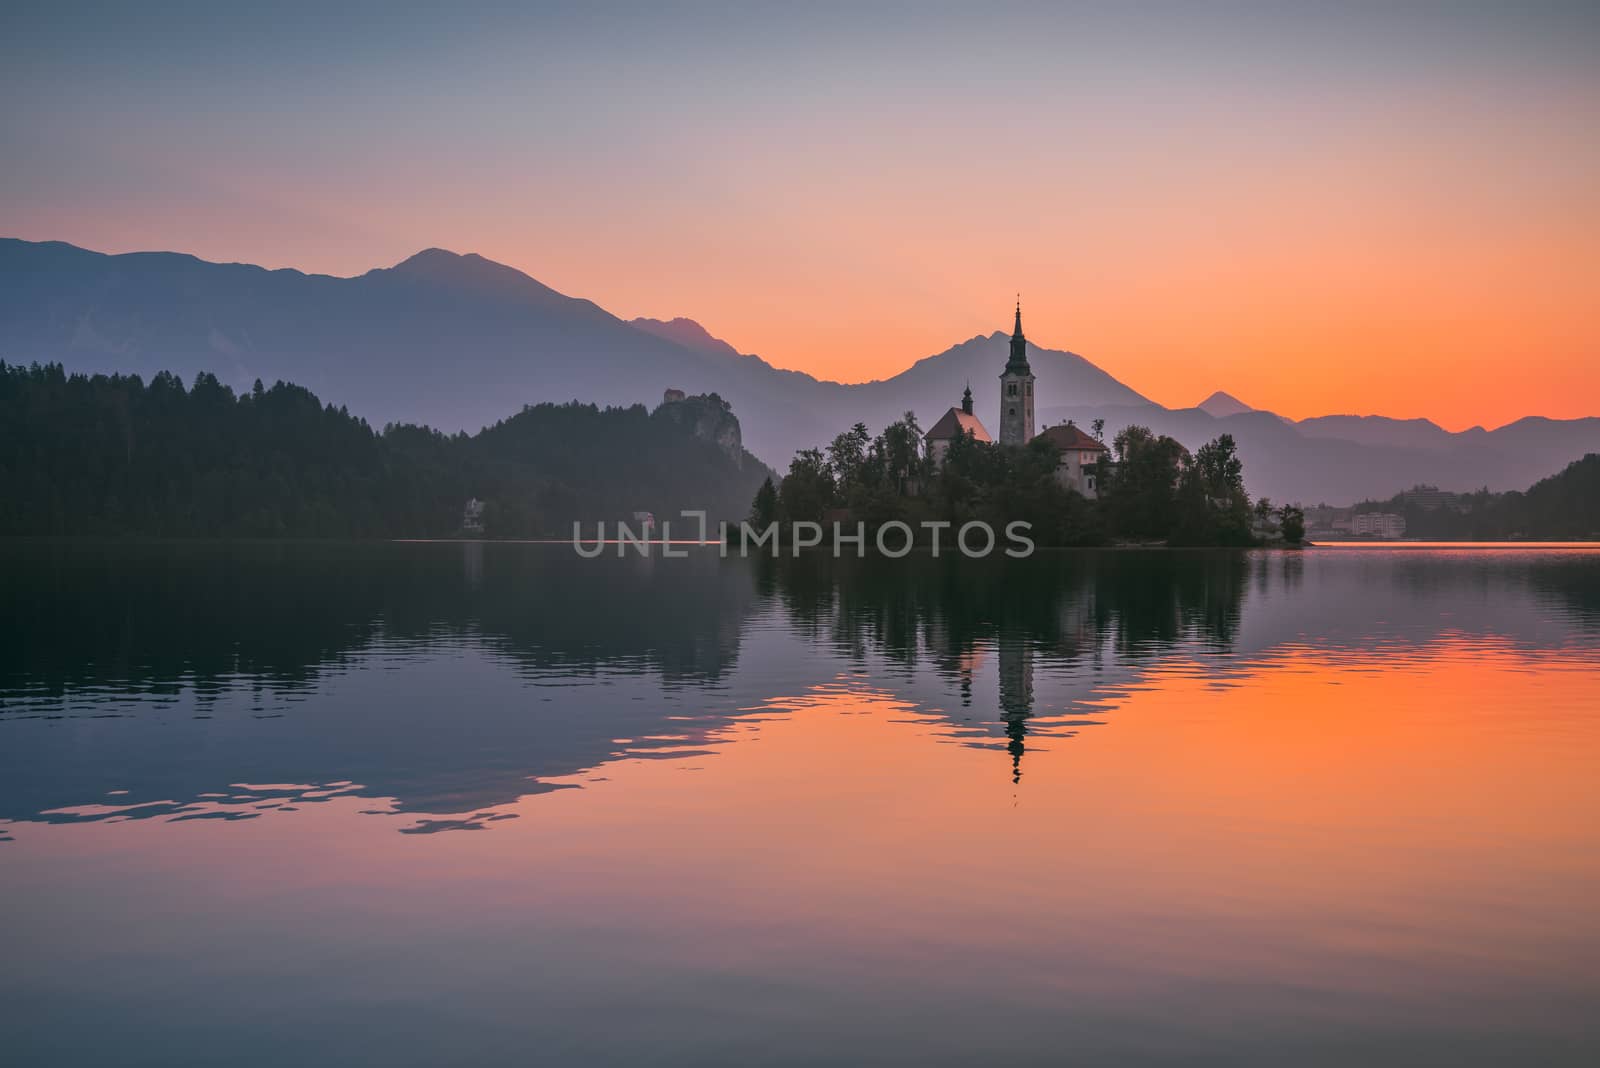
(848, 452)
(764, 509)
(960, 490)
(900, 446)
(1292, 523)
(1213, 507)
(106, 454)
(1220, 467)
(1140, 491)
(808, 489)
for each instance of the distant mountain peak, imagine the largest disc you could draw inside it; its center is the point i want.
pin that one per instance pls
(1220, 405)
(436, 263)
(431, 255)
(686, 332)
(451, 340)
(470, 271)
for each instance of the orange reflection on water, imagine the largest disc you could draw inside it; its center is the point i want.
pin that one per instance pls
(1478, 548)
(1401, 837)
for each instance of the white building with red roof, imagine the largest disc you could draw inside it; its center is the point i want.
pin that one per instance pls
(1080, 456)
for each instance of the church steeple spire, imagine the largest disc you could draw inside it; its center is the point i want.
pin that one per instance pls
(1018, 363)
(1016, 390)
(966, 400)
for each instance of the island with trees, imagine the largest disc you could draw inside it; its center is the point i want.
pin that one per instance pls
(1151, 490)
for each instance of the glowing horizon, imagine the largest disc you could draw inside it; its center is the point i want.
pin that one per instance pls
(1316, 211)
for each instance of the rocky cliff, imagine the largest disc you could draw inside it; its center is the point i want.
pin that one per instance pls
(708, 417)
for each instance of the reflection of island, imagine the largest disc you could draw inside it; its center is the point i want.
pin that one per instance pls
(1016, 698)
(451, 678)
(1106, 615)
(1070, 602)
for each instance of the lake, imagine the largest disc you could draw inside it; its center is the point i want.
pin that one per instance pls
(456, 803)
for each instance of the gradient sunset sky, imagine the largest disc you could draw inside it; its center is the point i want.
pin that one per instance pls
(1319, 208)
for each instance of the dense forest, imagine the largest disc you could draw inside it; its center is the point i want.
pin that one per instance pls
(113, 455)
(1156, 490)
(1563, 507)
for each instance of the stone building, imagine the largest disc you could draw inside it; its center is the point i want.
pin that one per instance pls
(1080, 456)
(1016, 391)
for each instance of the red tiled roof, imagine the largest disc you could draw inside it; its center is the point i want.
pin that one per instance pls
(1070, 437)
(954, 422)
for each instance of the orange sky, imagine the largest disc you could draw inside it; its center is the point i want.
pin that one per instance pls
(1315, 210)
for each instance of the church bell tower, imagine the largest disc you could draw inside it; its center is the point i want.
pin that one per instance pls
(1016, 391)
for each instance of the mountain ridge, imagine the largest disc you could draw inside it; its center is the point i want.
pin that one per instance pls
(447, 339)
(685, 332)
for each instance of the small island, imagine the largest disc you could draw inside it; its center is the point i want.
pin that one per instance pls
(1069, 486)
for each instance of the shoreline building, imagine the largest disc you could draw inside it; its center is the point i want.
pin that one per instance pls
(1387, 525)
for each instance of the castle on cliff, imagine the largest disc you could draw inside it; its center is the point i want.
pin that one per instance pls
(708, 417)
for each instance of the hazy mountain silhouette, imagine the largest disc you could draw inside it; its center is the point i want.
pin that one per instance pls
(442, 339)
(686, 332)
(1284, 462)
(448, 340)
(452, 340)
(1380, 430)
(1222, 405)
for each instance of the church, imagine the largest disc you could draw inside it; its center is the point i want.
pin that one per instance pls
(1080, 453)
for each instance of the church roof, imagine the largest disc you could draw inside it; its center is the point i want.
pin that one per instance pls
(955, 421)
(1068, 436)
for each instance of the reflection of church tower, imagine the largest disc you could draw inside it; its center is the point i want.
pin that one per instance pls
(1016, 698)
(1016, 391)
(472, 563)
(967, 664)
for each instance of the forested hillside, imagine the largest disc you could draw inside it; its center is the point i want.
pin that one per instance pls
(1563, 507)
(101, 455)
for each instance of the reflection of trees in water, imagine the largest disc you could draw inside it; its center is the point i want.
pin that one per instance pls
(155, 617)
(945, 612)
(1572, 583)
(250, 629)
(159, 616)
(1568, 580)
(1070, 603)
(85, 622)
(682, 617)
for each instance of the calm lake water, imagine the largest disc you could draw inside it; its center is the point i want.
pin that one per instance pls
(492, 804)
